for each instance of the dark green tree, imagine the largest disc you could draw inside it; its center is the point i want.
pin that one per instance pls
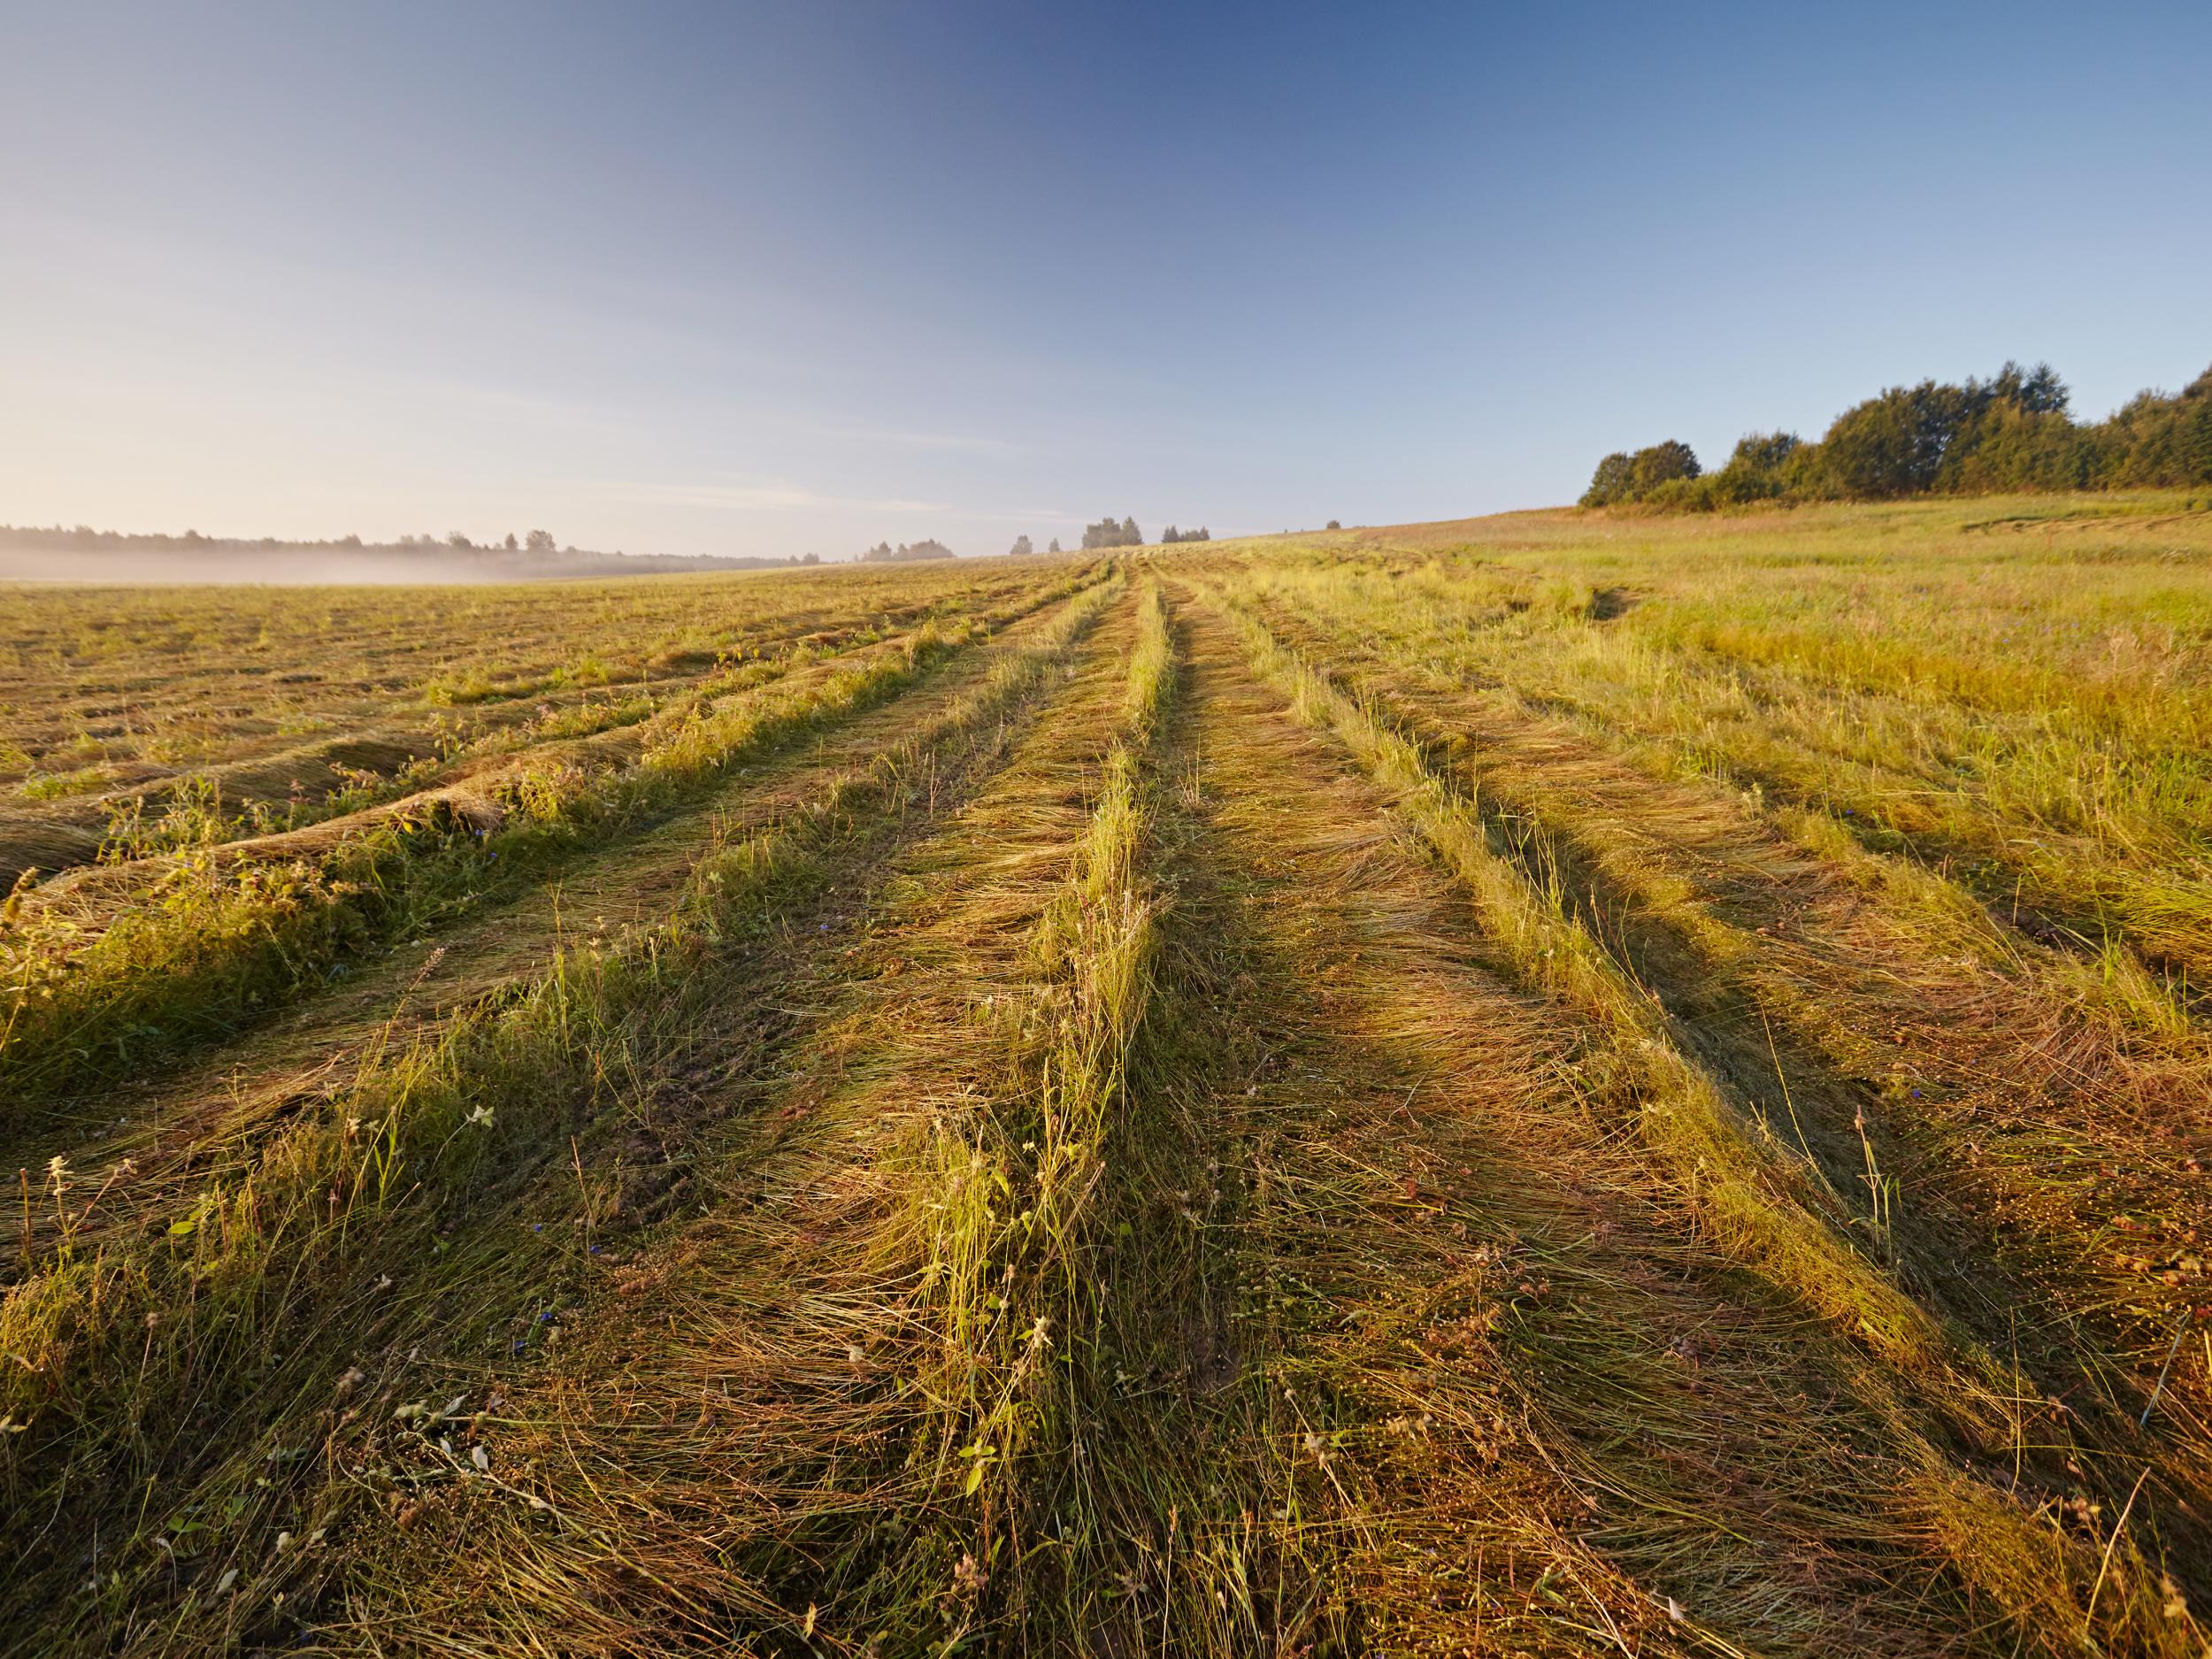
(1661, 463)
(1609, 483)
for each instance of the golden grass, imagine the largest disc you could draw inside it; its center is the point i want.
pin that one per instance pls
(1551, 1085)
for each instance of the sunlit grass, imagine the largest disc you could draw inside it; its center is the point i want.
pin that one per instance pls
(1555, 1084)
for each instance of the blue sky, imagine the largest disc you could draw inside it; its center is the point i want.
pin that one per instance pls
(771, 279)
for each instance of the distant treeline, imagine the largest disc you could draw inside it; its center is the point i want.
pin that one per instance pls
(1106, 532)
(536, 554)
(2012, 432)
(884, 553)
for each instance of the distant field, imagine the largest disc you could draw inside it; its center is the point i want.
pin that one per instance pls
(1554, 1084)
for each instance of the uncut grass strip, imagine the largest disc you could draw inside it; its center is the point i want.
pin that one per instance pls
(2011, 769)
(2120, 1063)
(442, 1111)
(2088, 878)
(222, 945)
(2112, 982)
(2008, 1135)
(1760, 1206)
(760, 1435)
(2084, 889)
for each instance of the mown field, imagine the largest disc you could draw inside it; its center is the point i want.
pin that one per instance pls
(1557, 1084)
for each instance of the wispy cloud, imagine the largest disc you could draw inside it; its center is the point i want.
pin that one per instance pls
(765, 496)
(1019, 515)
(963, 443)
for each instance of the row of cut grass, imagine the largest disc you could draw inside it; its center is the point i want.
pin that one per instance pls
(821, 1339)
(1019, 1294)
(2034, 1182)
(140, 682)
(1493, 1388)
(235, 1311)
(1762, 1203)
(212, 943)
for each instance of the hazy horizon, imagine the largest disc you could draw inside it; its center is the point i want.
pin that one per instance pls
(779, 280)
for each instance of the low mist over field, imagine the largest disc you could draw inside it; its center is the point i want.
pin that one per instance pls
(53, 563)
(83, 554)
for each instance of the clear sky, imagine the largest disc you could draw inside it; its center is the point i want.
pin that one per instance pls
(767, 278)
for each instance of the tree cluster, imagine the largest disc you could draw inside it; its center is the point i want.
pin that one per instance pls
(1106, 532)
(1621, 477)
(2012, 432)
(1173, 535)
(1021, 548)
(883, 552)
